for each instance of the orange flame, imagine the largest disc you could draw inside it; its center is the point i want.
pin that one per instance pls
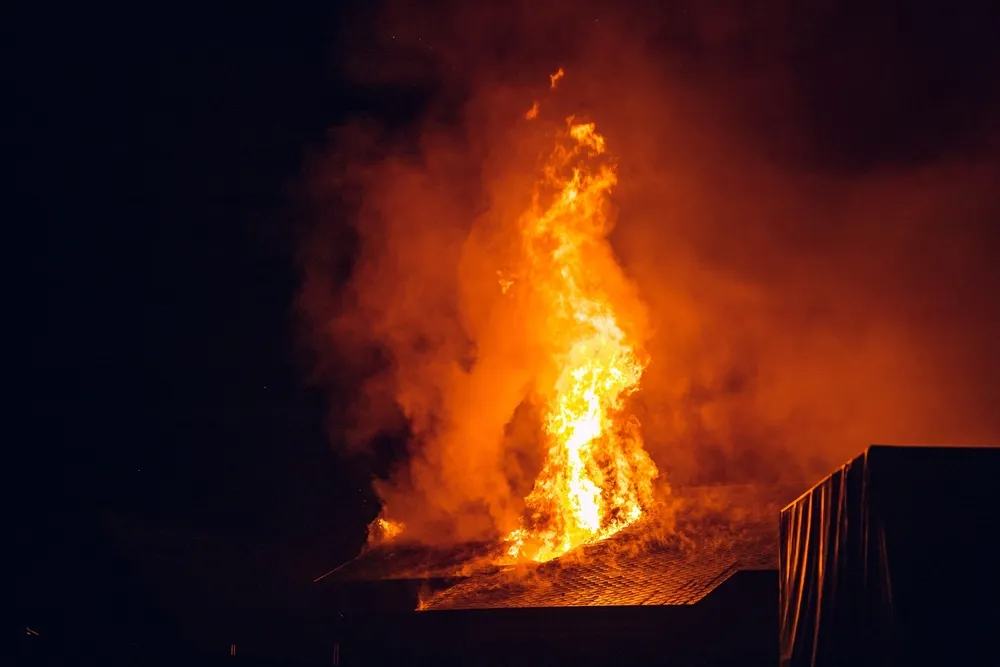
(554, 78)
(383, 530)
(596, 478)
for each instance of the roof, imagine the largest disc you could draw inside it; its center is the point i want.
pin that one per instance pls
(675, 557)
(615, 573)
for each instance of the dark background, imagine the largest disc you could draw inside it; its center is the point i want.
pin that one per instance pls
(158, 151)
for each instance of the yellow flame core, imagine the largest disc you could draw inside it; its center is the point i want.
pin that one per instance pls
(596, 478)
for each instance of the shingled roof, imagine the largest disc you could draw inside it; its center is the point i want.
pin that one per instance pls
(615, 573)
(708, 536)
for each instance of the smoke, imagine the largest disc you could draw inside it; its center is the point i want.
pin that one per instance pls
(811, 233)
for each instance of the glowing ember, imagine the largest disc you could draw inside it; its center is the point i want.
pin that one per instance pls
(554, 78)
(596, 478)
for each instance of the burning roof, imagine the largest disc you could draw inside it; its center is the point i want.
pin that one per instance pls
(611, 573)
(715, 532)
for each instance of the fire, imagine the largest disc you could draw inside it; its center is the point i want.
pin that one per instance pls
(597, 478)
(554, 78)
(383, 530)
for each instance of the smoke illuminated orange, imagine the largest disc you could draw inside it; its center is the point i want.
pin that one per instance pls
(597, 478)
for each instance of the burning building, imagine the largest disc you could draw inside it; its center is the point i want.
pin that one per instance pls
(598, 526)
(579, 301)
(517, 362)
(698, 588)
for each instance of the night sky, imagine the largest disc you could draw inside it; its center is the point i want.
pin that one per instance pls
(158, 151)
(160, 155)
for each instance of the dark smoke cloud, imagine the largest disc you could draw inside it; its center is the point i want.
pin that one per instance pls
(811, 221)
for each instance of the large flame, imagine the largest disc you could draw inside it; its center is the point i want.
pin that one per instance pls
(596, 478)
